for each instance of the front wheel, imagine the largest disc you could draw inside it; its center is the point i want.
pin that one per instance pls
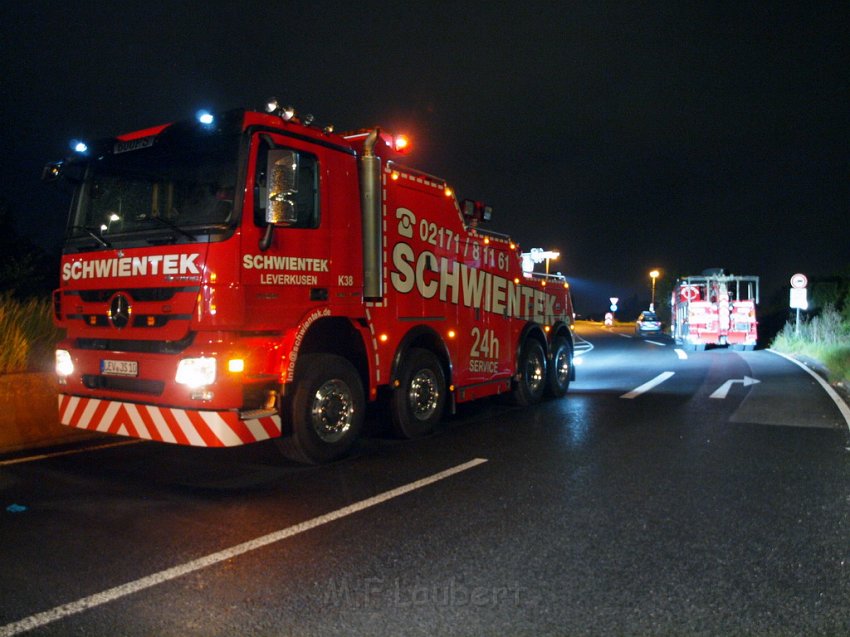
(531, 374)
(418, 400)
(560, 368)
(327, 409)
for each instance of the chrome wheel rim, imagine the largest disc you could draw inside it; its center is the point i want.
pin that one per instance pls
(332, 413)
(535, 372)
(562, 367)
(423, 395)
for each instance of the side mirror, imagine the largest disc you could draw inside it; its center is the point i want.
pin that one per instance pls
(282, 169)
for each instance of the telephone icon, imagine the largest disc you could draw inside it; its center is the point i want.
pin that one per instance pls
(406, 221)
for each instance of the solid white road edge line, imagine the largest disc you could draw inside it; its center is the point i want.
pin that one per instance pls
(104, 597)
(656, 343)
(839, 402)
(637, 391)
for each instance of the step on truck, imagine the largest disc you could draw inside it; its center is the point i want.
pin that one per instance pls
(249, 275)
(715, 309)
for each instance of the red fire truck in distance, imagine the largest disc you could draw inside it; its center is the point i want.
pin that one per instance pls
(249, 276)
(715, 309)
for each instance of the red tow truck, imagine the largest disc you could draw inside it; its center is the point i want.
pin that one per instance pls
(249, 275)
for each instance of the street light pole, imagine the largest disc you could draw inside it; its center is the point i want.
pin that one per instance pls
(653, 275)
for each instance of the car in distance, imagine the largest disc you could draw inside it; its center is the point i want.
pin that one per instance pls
(647, 323)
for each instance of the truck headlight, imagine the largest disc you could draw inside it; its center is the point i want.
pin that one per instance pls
(196, 372)
(64, 364)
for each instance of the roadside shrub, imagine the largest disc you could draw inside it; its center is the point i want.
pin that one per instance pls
(27, 334)
(845, 312)
(825, 337)
(837, 361)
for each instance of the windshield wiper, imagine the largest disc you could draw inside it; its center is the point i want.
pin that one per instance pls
(174, 227)
(94, 234)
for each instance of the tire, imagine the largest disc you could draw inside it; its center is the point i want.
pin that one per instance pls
(531, 374)
(419, 398)
(327, 409)
(559, 369)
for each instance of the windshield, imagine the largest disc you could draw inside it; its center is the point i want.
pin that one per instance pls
(174, 184)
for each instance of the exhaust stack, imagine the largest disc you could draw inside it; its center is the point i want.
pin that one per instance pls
(370, 207)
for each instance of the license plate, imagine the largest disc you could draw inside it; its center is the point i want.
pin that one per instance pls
(119, 368)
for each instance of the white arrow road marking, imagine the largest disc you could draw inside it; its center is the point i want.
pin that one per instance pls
(637, 391)
(683, 356)
(723, 390)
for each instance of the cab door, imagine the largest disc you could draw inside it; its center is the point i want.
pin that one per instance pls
(289, 269)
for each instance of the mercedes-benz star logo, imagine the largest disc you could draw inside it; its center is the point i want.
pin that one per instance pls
(119, 311)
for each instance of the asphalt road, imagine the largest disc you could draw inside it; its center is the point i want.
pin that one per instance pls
(657, 498)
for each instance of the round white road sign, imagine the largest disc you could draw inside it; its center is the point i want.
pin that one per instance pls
(799, 281)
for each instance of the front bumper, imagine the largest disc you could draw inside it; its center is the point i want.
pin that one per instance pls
(193, 427)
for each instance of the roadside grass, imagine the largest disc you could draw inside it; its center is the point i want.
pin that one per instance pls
(825, 338)
(27, 334)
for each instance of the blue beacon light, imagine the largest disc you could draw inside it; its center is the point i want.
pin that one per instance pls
(205, 117)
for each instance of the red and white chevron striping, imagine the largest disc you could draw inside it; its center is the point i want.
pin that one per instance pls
(180, 426)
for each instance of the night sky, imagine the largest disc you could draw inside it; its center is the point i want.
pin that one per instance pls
(628, 136)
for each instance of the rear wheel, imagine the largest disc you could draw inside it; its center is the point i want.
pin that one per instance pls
(531, 374)
(327, 409)
(560, 368)
(417, 402)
